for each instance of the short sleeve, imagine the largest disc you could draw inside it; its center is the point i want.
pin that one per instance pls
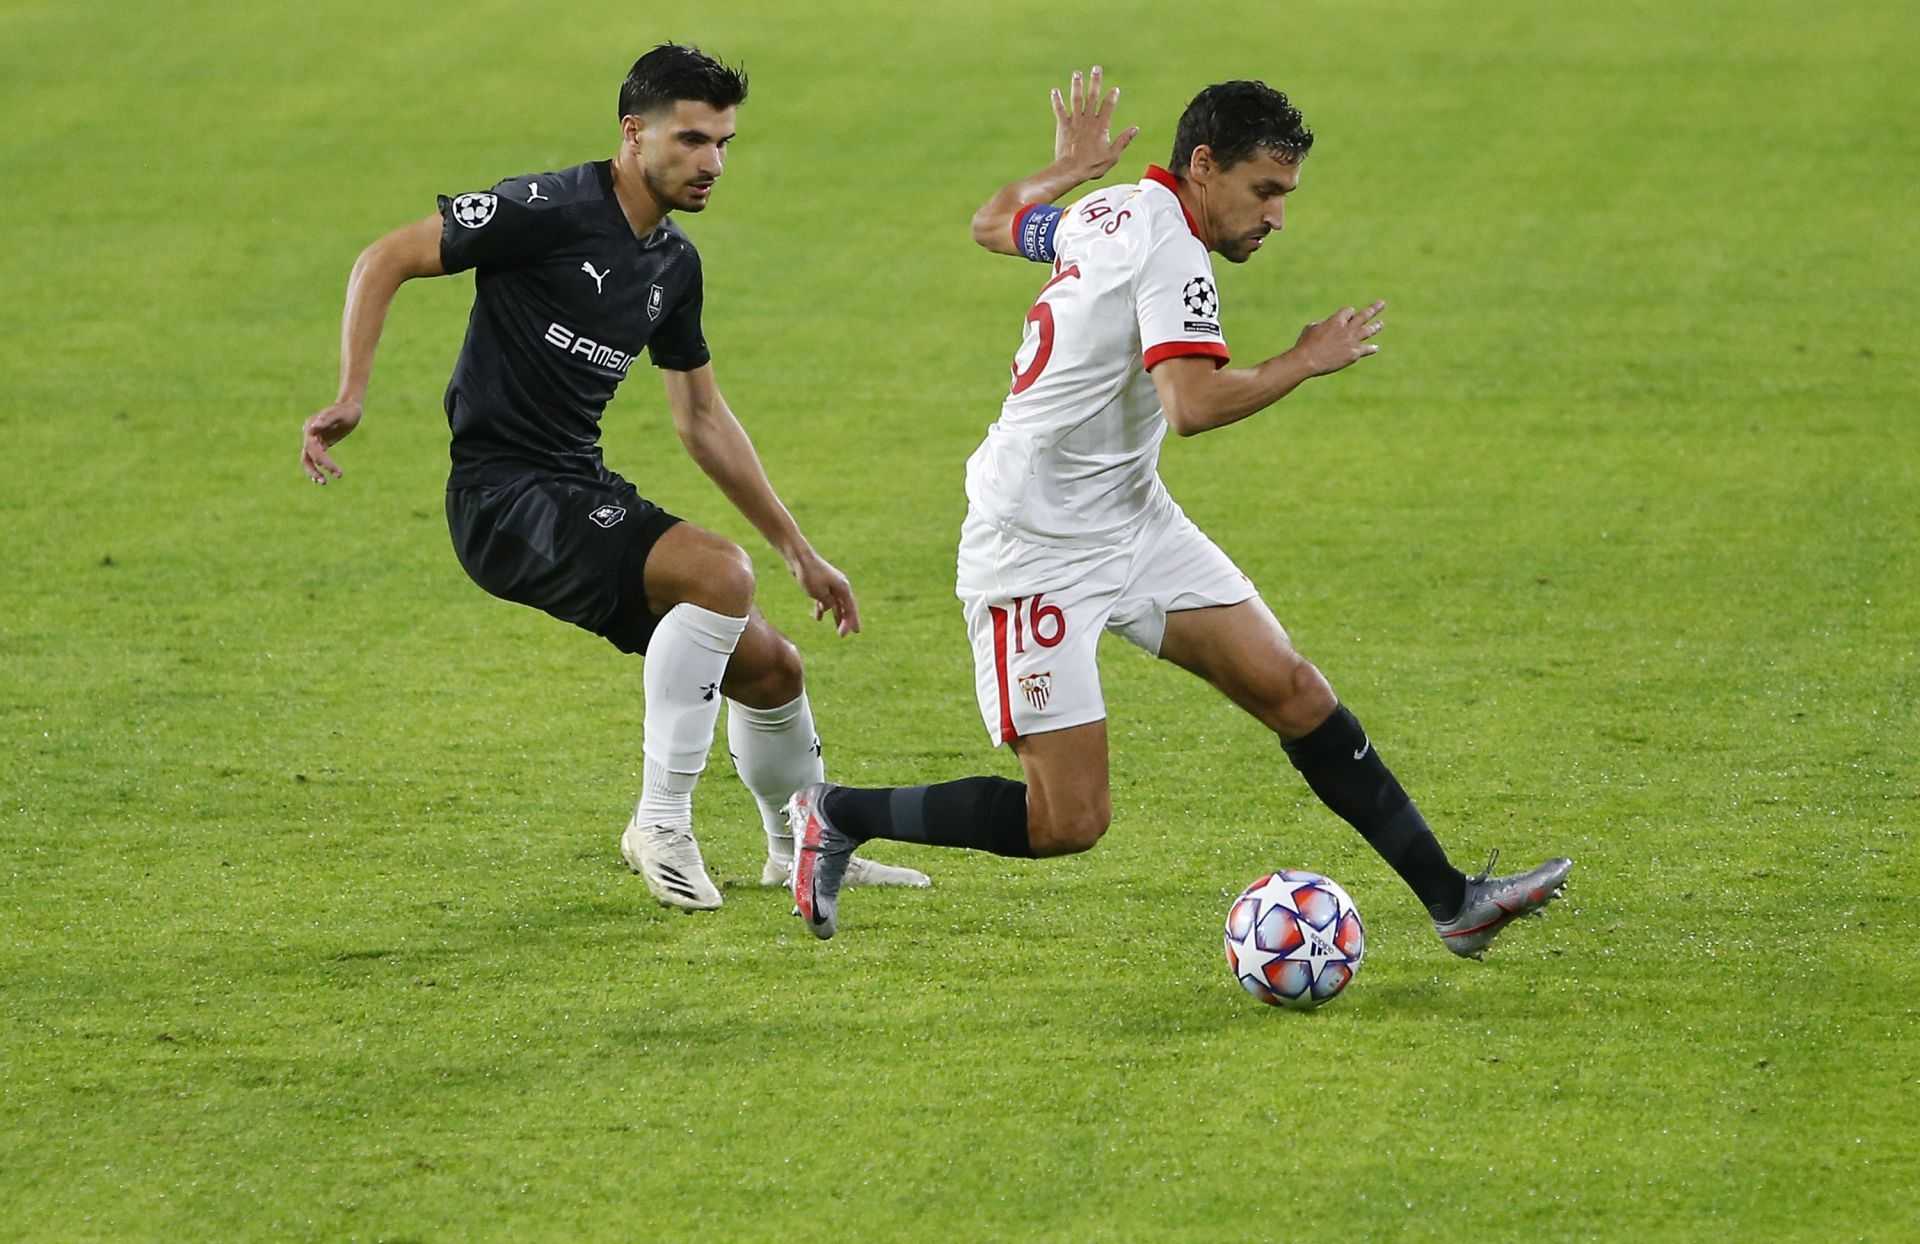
(493, 229)
(679, 343)
(1178, 303)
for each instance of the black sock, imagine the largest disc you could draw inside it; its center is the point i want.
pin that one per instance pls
(984, 813)
(1345, 770)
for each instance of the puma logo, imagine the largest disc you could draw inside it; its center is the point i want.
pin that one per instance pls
(533, 193)
(597, 276)
(706, 692)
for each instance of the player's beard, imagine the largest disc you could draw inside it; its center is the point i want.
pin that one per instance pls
(675, 196)
(1242, 246)
(1243, 250)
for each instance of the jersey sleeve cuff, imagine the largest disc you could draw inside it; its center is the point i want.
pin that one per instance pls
(451, 261)
(679, 362)
(1181, 349)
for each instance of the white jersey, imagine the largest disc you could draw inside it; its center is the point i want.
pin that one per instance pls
(1074, 456)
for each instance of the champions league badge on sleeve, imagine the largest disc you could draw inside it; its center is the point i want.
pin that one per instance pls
(1200, 297)
(474, 210)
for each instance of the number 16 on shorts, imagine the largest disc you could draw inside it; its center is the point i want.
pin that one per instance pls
(1034, 669)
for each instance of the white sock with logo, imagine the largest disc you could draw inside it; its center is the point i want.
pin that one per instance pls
(685, 661)
(776, 752)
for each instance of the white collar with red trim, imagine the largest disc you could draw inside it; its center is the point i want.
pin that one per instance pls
(1157, 174)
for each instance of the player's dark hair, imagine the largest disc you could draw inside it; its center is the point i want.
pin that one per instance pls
(1234, 119)
(673, 72)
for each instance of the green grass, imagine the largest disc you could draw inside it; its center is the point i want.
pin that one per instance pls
(311, 922)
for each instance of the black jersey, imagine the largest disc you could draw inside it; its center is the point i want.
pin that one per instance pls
(565, 297)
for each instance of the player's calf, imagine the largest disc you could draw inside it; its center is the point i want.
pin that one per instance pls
(766, 671)
(981, 813)
(1068, 803)
(1343, 767)
(1053, 831)
(701, 586)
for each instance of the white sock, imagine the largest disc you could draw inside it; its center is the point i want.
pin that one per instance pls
(685, 661)
(776, 752)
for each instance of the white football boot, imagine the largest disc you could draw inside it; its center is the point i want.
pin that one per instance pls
(668, 860)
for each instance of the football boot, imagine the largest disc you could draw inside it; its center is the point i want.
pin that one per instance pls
(822, 854)
(668, 860)
(1492, 903)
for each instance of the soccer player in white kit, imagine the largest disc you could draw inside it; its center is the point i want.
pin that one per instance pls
(1070, 532)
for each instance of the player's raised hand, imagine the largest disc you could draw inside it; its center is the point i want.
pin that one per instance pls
(829, 589)
(1082, 124)
(323, 430)
(1340, 340)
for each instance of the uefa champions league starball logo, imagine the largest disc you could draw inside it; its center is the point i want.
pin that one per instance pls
(1200, 298)
(474, 210)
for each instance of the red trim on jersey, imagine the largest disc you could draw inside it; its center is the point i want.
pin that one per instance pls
(1017, 218)
(1180, 349)
(1156, 173)
(1058, 277)
(1007, 732)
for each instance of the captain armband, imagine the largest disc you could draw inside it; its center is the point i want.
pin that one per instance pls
(1033, 231)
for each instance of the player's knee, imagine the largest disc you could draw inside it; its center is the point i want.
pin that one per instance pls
(785, 677)
(727, 581)
(1302, 698)
(765, 671)
(1313, 694)
(1070, 831)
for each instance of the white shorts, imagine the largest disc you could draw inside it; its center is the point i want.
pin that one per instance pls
(1035, 612)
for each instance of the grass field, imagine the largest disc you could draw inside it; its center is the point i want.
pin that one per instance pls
(312, 923)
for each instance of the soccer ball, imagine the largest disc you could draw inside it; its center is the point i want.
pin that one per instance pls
(1294, 939)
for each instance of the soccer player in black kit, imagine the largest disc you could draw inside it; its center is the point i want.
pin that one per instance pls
(577, 272)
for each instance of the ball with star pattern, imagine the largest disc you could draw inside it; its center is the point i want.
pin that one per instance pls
(1294, 939)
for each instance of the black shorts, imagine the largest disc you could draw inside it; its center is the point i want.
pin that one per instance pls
(574, 546)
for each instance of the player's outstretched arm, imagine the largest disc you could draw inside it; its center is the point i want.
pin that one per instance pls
(1198, 398)
(720, 446)
(409, 251)
(1082, 151)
